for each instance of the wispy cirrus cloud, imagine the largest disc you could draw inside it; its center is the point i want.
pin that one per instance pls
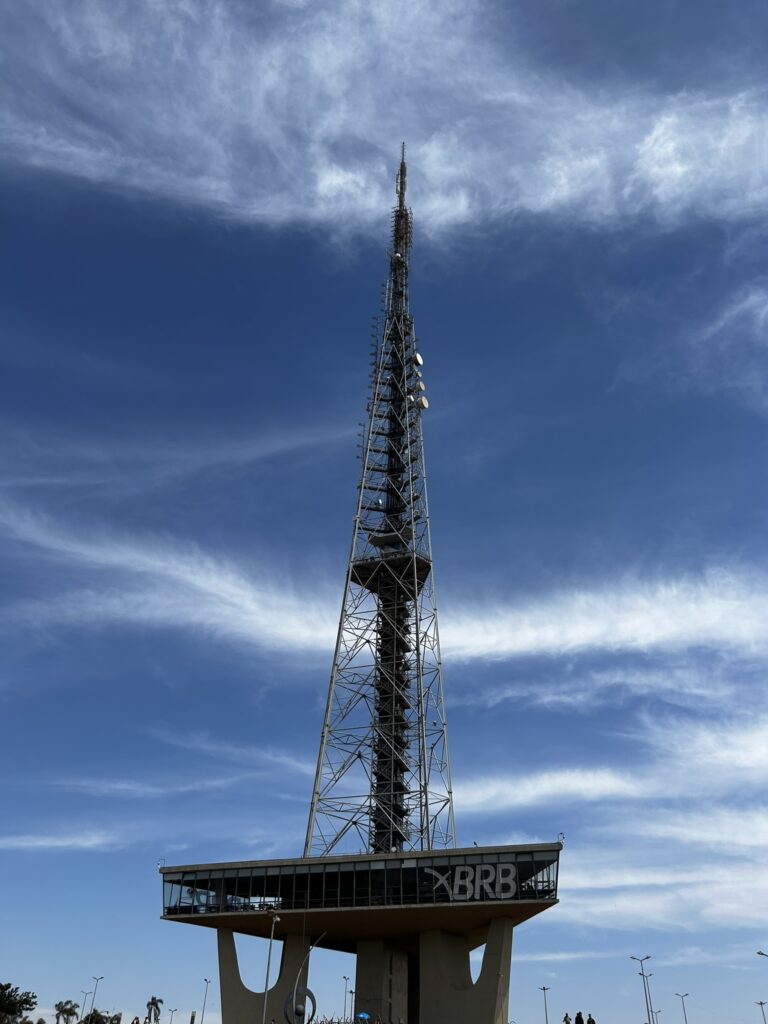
(239, 753)
(677, 762)
(138, 789)
(132, 466)
(87, 839)
(111, 579)
(722, 609)
(729, 352)
(502, 793)
(281, 117)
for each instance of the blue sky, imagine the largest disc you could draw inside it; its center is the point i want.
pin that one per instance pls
(195, 213)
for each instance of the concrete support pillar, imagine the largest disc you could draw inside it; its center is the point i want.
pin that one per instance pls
(239, 1005)
(381, 982)
(447, 994)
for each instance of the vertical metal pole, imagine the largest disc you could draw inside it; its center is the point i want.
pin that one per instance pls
(205, 997)
(545, 989)
(275, 920)
(761, 1004)
(95, 989)
(346, 982)
(682, 998)
(646, 992)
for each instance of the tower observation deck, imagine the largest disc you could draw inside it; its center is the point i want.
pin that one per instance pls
(380, 875)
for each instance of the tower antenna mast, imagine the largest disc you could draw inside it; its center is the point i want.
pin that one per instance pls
(383, 781)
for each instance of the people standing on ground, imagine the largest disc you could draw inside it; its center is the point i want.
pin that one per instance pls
(579, 1018)
(566, 1018)
(591, 1019)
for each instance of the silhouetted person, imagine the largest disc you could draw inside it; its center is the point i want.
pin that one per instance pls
(591, 1019)
(579, 1018)
(566, 1019)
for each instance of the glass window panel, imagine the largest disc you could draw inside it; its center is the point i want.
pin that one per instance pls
(409, 884)
(346, 888)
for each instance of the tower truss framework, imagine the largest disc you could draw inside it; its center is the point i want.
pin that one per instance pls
(383, 778)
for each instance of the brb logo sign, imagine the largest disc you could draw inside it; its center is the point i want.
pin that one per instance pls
(476, 881)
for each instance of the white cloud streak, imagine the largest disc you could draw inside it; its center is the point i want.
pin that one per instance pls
(202, 743)
(137, 789)
(729, 353)
(293, 113)
(157, 582)
(504, 793)
(91, 839)
(687, 760)
(721, 610)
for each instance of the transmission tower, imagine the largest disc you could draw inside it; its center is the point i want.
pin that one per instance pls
(383, 779)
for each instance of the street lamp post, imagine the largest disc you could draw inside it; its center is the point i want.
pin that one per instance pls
(346, 982)
(761, 1004)
(352, 1003)
(646, 991)
(174, 1010)
(545, 989)
(682, 998)
(85, 1001)
(656, 1015)
(95, 989)
(761, 953)
(275, 920)
(205, 997)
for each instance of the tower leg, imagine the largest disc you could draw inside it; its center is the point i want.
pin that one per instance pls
(381, 982)
(239, 1005)
(447, 994)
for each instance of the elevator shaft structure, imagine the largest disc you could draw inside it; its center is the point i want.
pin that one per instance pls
(383, 779)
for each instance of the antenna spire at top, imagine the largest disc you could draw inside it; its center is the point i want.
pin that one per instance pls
(400, 187)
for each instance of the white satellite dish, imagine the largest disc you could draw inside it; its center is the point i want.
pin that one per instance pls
(422, 403)
(417, 359)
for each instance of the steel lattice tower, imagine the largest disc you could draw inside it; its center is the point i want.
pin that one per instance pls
(383, 779)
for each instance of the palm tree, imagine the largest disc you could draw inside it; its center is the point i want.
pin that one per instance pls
(66, 1011)
(153, 1010)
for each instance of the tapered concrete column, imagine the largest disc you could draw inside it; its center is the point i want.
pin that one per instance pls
(381, 981)
(447, 994)
(239, 1005)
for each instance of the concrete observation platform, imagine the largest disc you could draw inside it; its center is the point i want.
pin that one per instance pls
(412, 919)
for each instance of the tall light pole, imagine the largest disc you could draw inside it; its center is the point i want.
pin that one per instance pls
(275, 920)
(174, 1010)
(85, 1001)
(545, 989)
(761, 953)
(352, 1003)
(346, 982)
(761, 1004)
(656, 1015)
(641, 960)
(95, 988)
(682, 998)
(205, 996)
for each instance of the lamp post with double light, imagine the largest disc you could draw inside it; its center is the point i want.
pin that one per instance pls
(205, 998)
(545, 989)
(95, 989)
(761, 1004)
(174, 1010)
(345, 979)
(646, 991)
(682, 997)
